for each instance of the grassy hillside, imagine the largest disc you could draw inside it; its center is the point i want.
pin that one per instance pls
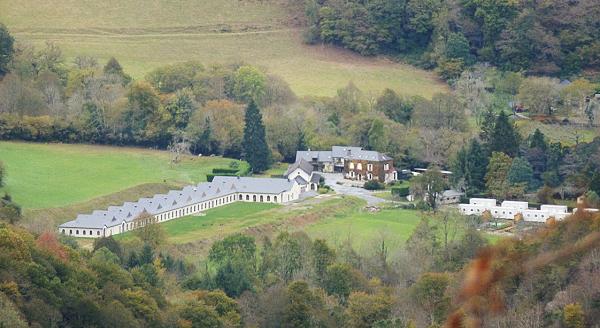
(167, 31)
(54, 175)
(364, 229)
(567, 135)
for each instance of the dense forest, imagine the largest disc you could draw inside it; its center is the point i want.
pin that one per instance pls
(557, 38)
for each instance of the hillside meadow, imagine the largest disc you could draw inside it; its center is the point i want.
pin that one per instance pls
(334, 218)
(261, 33)
(55, 175)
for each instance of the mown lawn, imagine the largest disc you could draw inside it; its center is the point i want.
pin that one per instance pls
(55, 175)
(365, 230)
(258, 217)
(211, 31)
(231, 218)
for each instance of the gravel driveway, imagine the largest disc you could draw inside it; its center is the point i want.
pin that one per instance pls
(331, 179)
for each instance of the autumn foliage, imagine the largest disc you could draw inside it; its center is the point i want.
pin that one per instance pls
(47, 241)
(485, 279)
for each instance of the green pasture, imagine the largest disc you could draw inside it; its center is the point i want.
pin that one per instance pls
(214, 31)
(55, 175)
(365, 230)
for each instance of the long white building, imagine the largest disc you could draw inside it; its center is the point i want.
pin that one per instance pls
(509, 209)
(191, 200)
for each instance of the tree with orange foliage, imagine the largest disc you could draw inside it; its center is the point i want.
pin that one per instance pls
(48, 241)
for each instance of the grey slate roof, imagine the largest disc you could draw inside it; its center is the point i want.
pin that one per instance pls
(315, 178)
(310, 155)
(255, 185)
(345, 152)
(301, 164)
(301, 180)
(369, 155)
(174, 199)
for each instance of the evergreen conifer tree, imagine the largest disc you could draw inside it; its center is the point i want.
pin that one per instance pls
(487, 126)
(504, 138)
(255, 148)
(302, 141)
(538, 140)
(476, 168)
(205, 141)
(470, 167)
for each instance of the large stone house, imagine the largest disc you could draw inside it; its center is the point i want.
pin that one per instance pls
(354, 163)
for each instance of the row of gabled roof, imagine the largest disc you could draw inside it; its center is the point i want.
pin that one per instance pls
(345, 152)
(175, 199)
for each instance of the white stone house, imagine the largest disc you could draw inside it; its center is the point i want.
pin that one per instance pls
(303, 173)
(191, 200)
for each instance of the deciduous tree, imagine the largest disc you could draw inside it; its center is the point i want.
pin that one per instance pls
(428, 186)
(540, 95)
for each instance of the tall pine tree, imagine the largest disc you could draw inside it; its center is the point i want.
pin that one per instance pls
(470, 167)
(538, 140)
(256, 151)
(477, 162)
(504, 138)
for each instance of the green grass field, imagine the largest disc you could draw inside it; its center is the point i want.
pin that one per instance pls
(221, 221)
(335, 219)
(215, 31)
(567, 135)
(364, 229)
(55, 175)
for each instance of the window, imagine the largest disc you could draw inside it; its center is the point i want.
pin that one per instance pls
(76, 232)
(351, 166)
(240, 197)
(386, 166)
(63, 231)
(70, 232)
(370, 176)
(275, 199)
(254, 198)
(359, 166)
(369, 167)
(97, 233)
(247, 197)
(268, 198)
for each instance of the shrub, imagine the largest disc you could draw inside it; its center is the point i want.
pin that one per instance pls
(210, 176)
(409, 206)
(373, 185)
(423, 206)
(400, 191)
(220, 170)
